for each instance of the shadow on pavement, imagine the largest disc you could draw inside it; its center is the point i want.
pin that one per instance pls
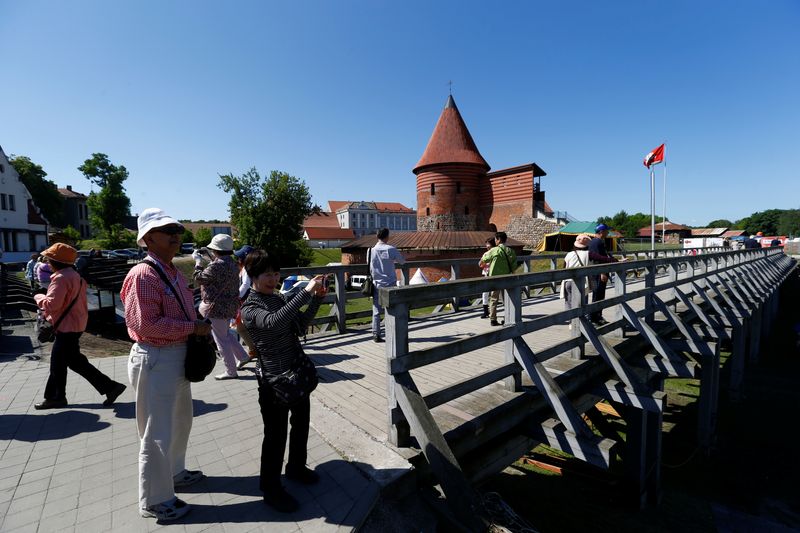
(128, 409)
(52, 426)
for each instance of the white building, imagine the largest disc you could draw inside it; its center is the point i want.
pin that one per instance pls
(23, 229)
(366, 218)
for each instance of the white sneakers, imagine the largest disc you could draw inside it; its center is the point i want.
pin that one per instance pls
(167, 511)
(225, 375)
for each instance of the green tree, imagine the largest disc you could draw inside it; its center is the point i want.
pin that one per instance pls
(43, 191)
(110, 206)
(627, 224)
(789, 223)
(720, 223)
(72, 234)
(765, 221)
(269, 213)
(202, 237)
(188, 236)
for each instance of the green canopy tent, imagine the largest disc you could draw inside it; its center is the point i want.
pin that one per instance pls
(563, 239)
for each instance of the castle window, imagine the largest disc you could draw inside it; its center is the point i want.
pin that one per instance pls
(433, 189)
(3, 202)
(11, 205)
(458, 187)
(427, 210)
(466, 210)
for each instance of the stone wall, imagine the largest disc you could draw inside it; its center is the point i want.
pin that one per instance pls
(529, 230)
(447, 222)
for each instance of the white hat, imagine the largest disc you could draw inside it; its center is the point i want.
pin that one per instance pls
(221, 243)
(150, 219)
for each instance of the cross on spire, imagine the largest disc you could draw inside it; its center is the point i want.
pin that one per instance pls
(450, 84)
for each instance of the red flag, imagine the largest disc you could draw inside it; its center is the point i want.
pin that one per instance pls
(655, 157)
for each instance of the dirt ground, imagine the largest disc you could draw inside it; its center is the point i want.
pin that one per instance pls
(95, 345)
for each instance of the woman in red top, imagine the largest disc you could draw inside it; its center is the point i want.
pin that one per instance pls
(65, 287)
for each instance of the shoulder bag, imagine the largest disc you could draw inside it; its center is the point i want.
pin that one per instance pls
(295, 384)
(369, 286)
(201, 355)
(45, 331)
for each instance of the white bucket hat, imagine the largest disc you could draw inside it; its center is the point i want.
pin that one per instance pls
(221, 243)
(150, 219)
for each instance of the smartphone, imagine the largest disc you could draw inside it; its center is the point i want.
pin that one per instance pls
(325, 282)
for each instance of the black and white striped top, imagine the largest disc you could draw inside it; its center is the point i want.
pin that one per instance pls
(275, 326)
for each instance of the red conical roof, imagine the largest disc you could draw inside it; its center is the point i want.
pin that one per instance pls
(451, 141)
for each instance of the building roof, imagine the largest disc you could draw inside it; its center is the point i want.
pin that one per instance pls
(670, 227)
(395, 207)
(733, 233)
(577, 227)
(432, 240)
(708, 232)
(335, 205)
(69, 193)
(34, 216)
(323, 219)
(451, 141)
(336, 233)
(536, 169)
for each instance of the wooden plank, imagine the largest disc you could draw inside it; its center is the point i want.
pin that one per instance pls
(615, 391)
(611, 357)
(592, 449)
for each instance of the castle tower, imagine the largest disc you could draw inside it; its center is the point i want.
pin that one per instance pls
(449, 176)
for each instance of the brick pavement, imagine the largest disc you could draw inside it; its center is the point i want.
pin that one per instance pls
(75, 469)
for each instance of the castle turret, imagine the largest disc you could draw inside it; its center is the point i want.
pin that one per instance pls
(449, 176)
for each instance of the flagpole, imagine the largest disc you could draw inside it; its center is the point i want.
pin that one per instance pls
(664, 222)
(652, 211)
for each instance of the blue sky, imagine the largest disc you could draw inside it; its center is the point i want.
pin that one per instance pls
(345, 94)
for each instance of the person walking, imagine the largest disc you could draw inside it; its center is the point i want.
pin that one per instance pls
(219, 286)
(578, 257)
(275, 326)
(29, 270)
(244, 291)
(157, 322)
(501, 260)
(598, 255)
(382, 258)
(485, 272)
(65, 307)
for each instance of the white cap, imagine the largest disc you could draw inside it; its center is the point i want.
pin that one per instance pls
(221, 243)
(152, 218)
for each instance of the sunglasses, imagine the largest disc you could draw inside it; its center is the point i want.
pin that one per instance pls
(169, 230)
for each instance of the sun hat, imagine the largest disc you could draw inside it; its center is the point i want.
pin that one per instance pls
(221, 243)
(582, 241)
(600, 227)
(150, 219)
(242, 252)
(63, 253)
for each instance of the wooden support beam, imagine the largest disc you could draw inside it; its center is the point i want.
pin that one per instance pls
(590, 448)
(615, 391)
(461, 498)
(512, 314)
(672, 363)
(729, 316)
(396, 346)
(611, 357)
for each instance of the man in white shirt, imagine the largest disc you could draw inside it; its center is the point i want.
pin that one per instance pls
(382, 258)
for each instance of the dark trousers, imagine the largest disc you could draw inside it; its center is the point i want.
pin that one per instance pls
(598, 294)
(66, 353)
(275, 417)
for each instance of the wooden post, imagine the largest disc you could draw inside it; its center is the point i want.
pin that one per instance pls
(454, 275)
(649, 282)
(404, 275)
(642, 459)
(341, 303)
(576, 299)
(396, 318)
(620, 289)
(512, 314)
(553, 266)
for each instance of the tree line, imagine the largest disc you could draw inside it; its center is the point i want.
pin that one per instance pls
(770, 222)
(267, 211)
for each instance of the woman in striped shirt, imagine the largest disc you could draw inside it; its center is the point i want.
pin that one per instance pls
(275, 326)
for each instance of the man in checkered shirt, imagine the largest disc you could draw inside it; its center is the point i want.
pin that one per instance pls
(159, 327)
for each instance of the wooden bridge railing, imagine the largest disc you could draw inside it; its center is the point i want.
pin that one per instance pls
(737, 298)
(340, 296)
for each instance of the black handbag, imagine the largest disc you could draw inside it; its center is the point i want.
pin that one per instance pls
(201, 354)
(369, 286)
(45, 331)
(295, 384)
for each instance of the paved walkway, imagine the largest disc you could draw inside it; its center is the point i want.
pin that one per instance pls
(75, 469)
